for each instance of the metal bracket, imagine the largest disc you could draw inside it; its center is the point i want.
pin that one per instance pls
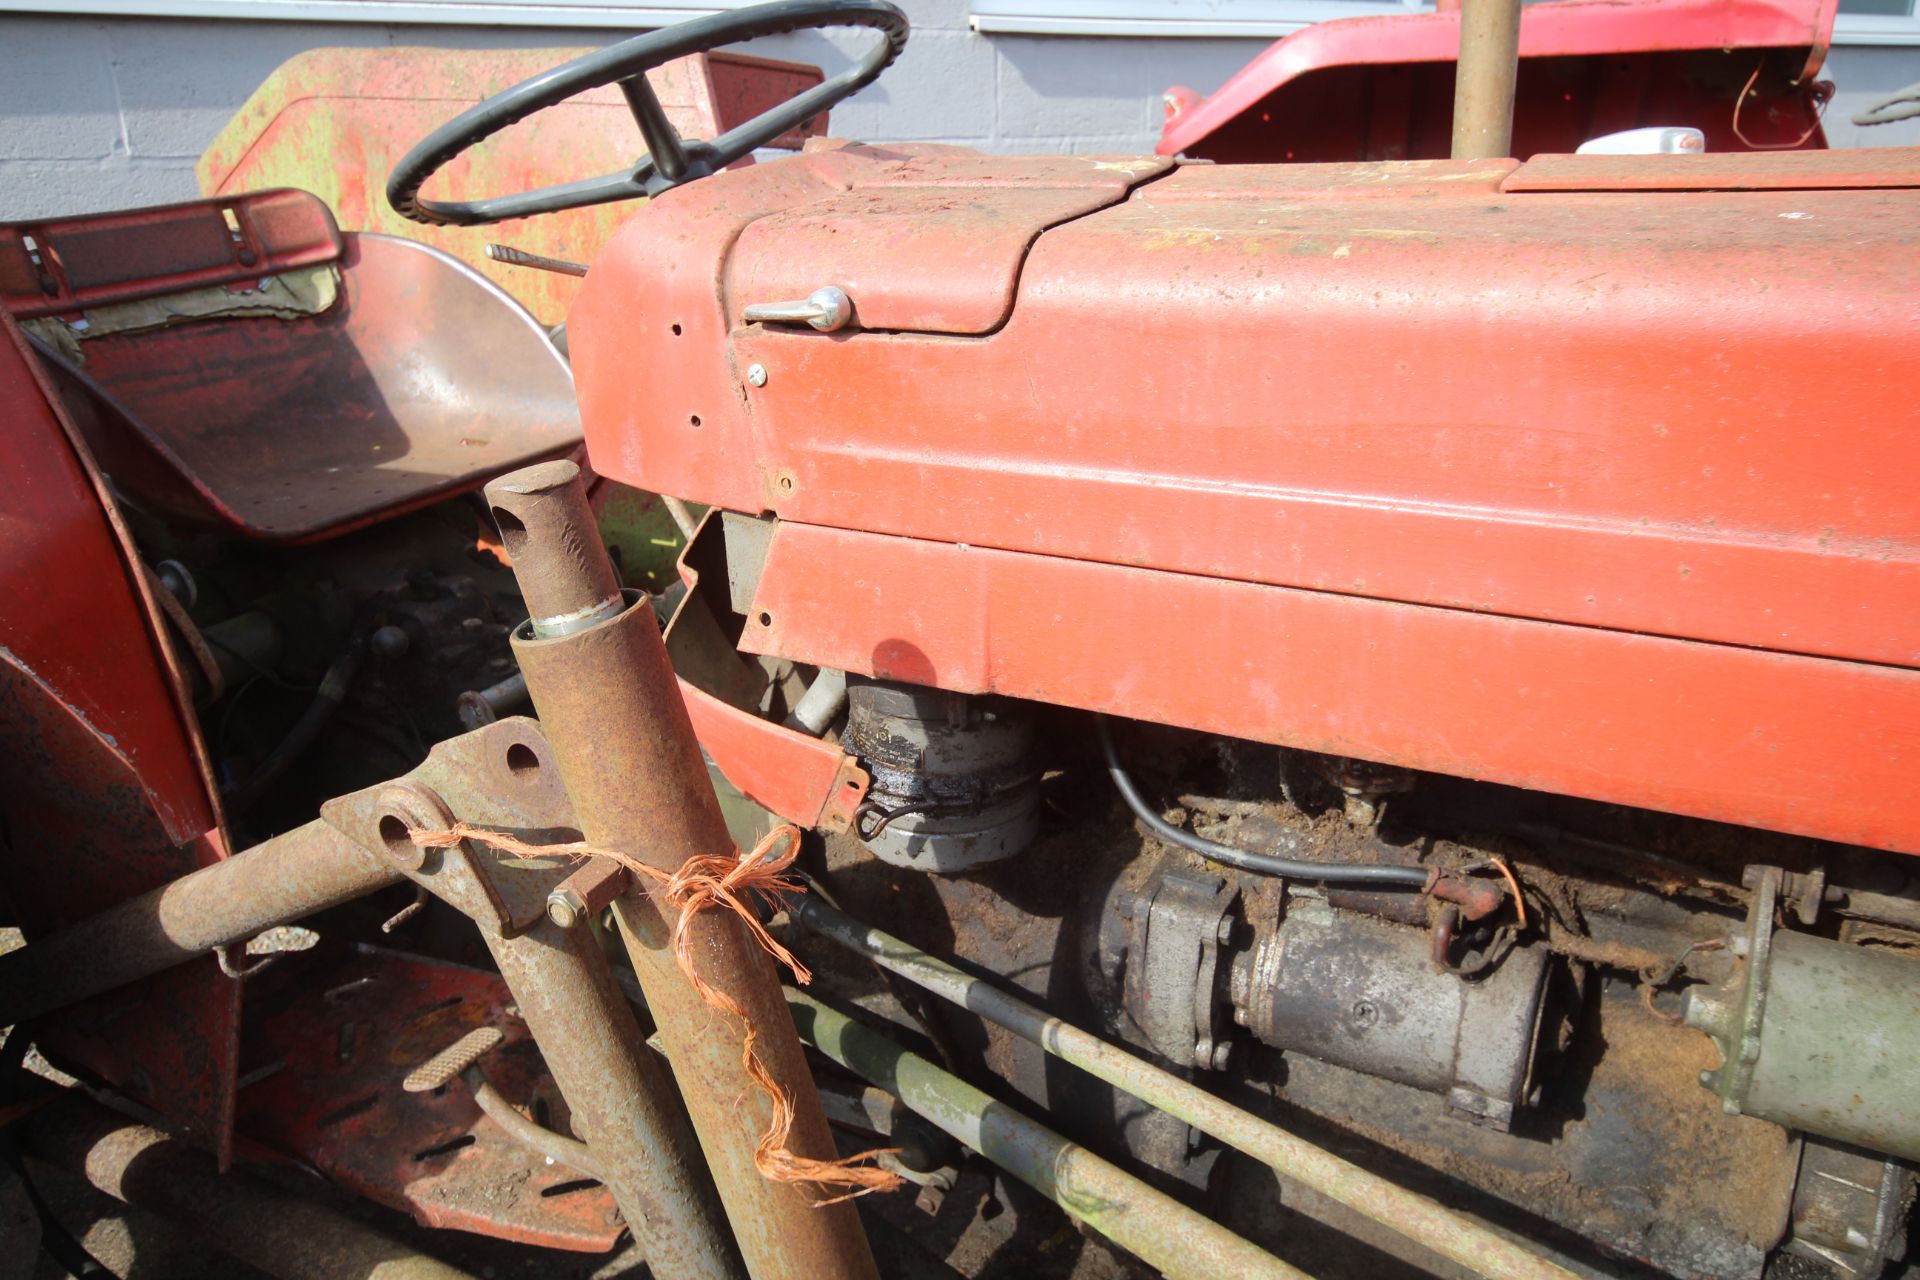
(501, 777)
(1180, 924)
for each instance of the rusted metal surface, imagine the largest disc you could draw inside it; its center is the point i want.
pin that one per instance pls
(335, 121)
(1447, 1233)
(282, 1234)
(505, 777)
(1174, 1240)
(284, 879)
(612, 711)
(335, 1052)
(79, 262)
(421, 381)
(1484, 78)
(569, 584)
(1776, 740)
(1382, 88)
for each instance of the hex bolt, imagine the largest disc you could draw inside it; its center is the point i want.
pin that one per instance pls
(565, 908)
(1222, 1055)
(587, 892)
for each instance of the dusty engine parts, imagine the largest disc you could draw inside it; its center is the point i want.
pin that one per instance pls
(1336, 985)
(1816, 1035)
(954, 781)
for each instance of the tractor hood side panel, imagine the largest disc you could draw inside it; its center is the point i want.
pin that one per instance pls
(1683, 414)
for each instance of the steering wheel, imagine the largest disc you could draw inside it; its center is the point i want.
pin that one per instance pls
(670, 160)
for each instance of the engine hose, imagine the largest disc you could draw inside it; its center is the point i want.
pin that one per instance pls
(1374, 873)
(326, 700)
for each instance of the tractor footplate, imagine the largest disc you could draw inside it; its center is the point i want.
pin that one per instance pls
(323, 1082)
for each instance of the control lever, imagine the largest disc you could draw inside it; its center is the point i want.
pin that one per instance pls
(825, 309)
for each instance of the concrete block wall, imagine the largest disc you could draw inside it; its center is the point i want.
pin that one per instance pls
(111, 112)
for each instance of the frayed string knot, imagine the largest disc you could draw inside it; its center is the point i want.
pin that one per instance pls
(736, 883)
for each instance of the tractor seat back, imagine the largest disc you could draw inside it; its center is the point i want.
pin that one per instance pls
(240, 364)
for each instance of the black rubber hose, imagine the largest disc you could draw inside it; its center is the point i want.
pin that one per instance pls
(1376, 873)
(326, 700)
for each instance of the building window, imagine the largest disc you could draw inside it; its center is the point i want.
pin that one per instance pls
(1198, 18)
(1876, 22)
(1859, 21)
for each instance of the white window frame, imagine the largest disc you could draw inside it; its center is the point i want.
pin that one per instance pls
(1271, 19)
(1245, 19)
(1212, 19)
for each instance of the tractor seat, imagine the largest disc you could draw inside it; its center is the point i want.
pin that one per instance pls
(240, 364)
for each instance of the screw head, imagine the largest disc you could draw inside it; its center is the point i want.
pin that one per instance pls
(1365, 1013)
(757, 374)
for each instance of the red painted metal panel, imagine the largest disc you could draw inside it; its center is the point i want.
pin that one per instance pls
(74, 621)
(1572, 55)
(1797, 744)
(932, 243)
(1622, 413)
(801, 779)
(102, 781)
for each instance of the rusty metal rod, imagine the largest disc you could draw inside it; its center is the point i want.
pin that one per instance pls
(618, 729)
(1438, 1228)
(281, 880)
(556, 1147)
(1484, 79)
(479, 707)
(282, 1234)
(1179, 1242)
(621, 1102)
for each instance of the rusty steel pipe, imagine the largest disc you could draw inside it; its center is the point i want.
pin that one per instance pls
(614, 720)
(1484, 79)
(1446, 1232)
(280, 1233)
(621, 1102)
(1178, 1242)
(568, 581)
(287, 878)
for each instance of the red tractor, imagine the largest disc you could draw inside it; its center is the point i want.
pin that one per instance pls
(1323, 719)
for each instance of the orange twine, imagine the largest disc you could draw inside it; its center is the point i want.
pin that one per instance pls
(734, 883)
